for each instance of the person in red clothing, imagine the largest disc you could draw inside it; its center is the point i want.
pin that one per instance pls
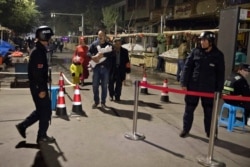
(81, 51)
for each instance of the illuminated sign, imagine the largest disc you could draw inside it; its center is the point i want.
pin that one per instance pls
(244, 14)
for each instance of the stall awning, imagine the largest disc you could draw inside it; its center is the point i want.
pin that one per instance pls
(4, 28)
(194, 32)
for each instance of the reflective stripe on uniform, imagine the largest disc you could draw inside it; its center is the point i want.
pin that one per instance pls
(228, 88)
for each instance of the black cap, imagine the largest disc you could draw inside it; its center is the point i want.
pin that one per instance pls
(244, 66)
(44, 33)
(210, 36)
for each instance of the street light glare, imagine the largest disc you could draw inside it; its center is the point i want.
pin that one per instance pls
(52, 14)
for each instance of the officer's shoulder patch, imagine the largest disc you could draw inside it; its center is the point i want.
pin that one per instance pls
(39, 65)
(237, 77)
(212, 65)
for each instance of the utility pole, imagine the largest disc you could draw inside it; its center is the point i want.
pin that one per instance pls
(163, 16)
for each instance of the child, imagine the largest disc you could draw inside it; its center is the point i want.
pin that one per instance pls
(76, 69)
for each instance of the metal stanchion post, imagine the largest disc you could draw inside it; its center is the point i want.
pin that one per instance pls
(208, 160)
(135, 135)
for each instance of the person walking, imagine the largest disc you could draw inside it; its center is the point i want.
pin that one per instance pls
(120, 66)
(61, 45)
(203, 72)
(161, 48)
(81, 51)
(38, 79)
(100, 53)
(236, 84)
(182, 54)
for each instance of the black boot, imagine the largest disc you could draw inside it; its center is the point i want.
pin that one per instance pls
(21, 129)
(183, 134)
(45, 139)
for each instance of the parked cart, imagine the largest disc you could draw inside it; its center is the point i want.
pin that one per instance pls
(21, 70)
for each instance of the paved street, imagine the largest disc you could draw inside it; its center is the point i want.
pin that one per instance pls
(98, 139)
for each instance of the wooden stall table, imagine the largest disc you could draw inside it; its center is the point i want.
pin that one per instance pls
(149, 59)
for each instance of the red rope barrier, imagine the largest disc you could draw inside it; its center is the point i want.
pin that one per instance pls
(193, 93)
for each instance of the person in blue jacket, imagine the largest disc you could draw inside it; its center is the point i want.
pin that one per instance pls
(203, 72)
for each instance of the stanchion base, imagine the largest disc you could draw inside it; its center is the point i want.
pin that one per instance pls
(203, 160)
(135, 136)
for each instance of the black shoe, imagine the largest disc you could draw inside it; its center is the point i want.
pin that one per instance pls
(94, 106)
(184, 134)
(104, 105)
(117, 99)
(215, 136)
(21, 129)
(46, 139)
(208, 135)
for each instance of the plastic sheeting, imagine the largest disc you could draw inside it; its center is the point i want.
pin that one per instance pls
(5, 47)
(133, 47)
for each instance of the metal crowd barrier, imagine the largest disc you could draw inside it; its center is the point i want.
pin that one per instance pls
(203, 160)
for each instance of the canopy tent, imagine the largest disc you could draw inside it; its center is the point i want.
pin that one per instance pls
(4, 28)
(5, 47)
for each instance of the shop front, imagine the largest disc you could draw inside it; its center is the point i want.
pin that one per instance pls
(173, 40)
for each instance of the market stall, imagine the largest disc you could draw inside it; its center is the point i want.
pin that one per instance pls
(141, 51)
(20, 63)
(173, 39)
(147, 59)
(170, 57)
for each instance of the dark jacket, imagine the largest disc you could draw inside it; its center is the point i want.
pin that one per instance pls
(204, 71)
(93, 51)
(38, 67)
(124, 66)
(236, 84)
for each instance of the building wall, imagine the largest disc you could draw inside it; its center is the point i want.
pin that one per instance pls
(146, 14)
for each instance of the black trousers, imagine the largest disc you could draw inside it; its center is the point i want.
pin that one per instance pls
(42, 113)
(115, 84)
(191, 104)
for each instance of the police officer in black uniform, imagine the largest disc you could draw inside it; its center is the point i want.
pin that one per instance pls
(38, 79)
(236, 84)
(203, 72)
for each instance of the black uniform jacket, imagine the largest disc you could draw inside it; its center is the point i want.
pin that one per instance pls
(38, 67)
(123, 67)
(236, 84)
(204, 71)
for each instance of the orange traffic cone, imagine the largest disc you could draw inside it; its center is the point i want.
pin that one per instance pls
(77, 103)
(61, 110)
(144, 90)
(164, 93)
(61, 81)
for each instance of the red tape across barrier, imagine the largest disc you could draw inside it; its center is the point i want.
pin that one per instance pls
(193, 93)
